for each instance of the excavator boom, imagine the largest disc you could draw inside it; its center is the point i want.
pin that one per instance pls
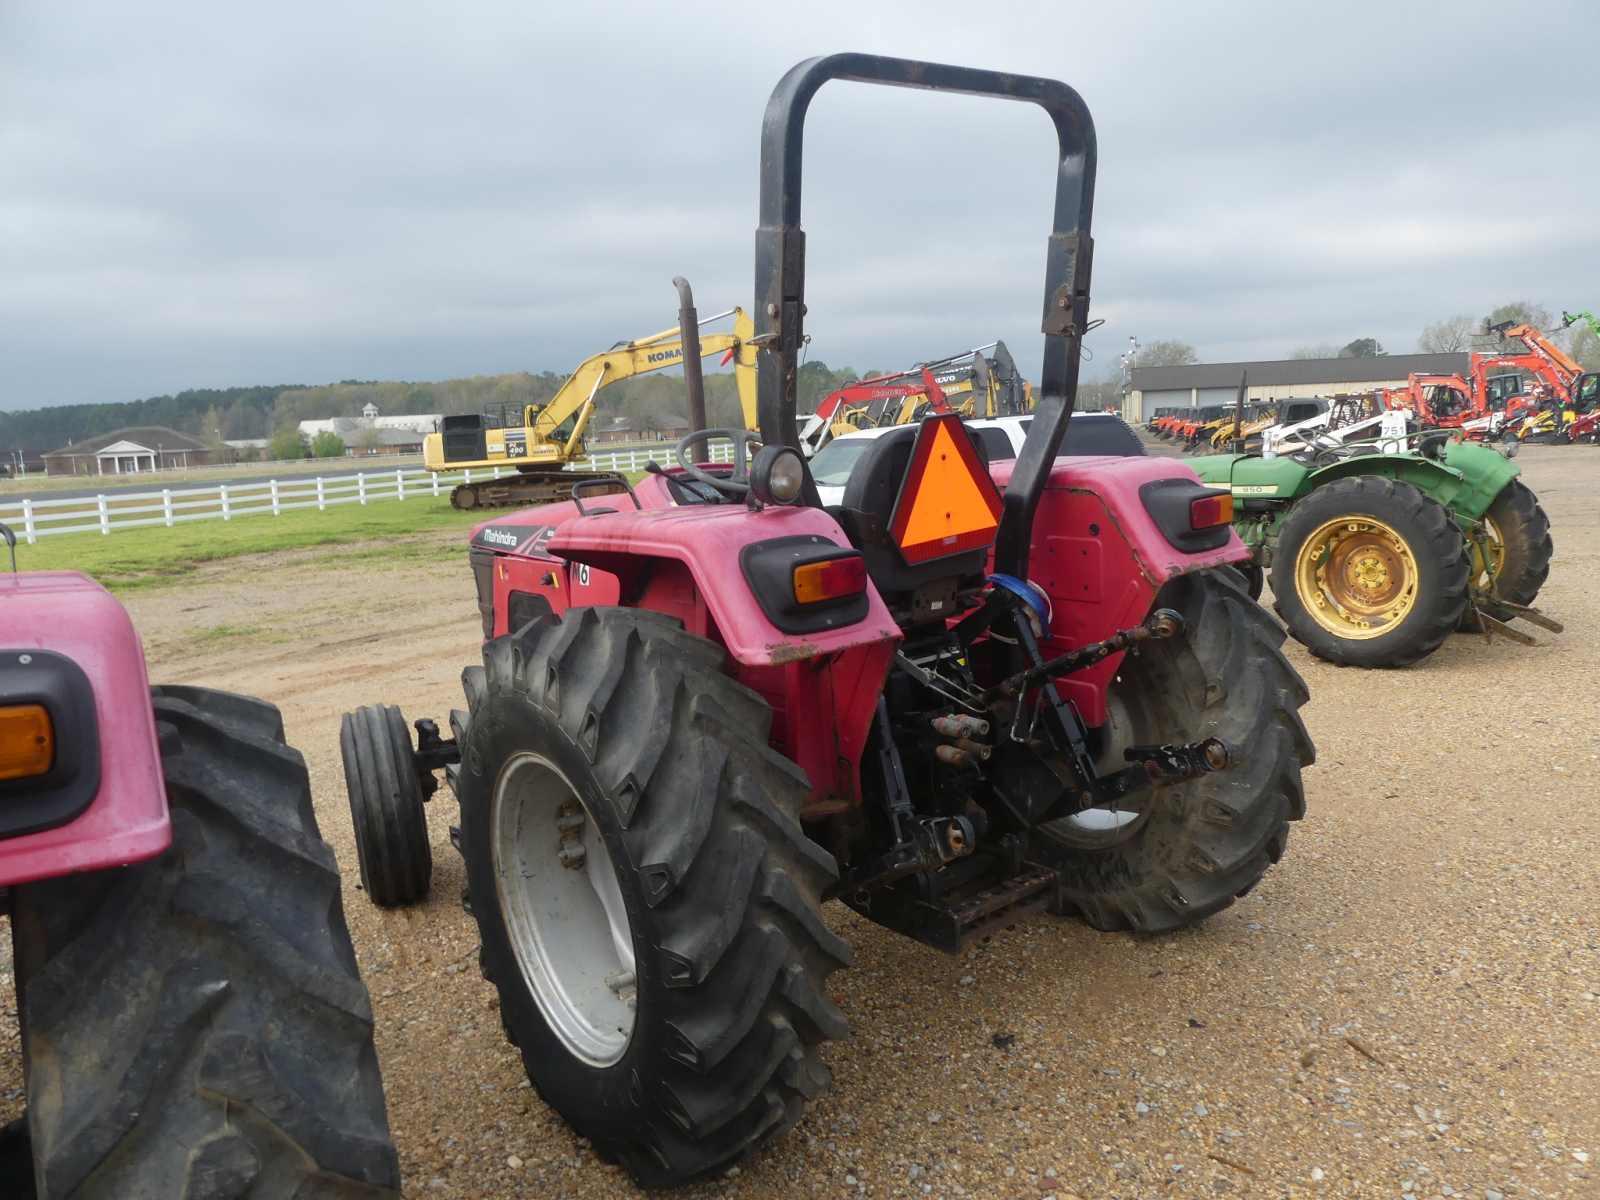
(550, 436)
(968, 384)
(1562, 363)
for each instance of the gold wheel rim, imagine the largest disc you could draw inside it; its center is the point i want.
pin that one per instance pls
(1488, 555)
(1357, 577)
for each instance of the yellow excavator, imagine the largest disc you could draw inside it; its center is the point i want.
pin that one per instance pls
(972, 384)
(976, 383)
(993, 386)
(979, 383)
(541, 440)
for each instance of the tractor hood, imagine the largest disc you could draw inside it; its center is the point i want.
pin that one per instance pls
(526, 531)
(1466, 481)
(1252, 477)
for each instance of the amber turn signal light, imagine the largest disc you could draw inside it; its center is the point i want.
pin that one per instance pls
(27, 741)
(830, 579)
(1210, 511)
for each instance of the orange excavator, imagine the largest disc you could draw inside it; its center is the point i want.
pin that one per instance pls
(1495, 389)
(863, 404)
(1553, 369)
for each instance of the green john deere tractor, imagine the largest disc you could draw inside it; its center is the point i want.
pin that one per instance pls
(1378, 551)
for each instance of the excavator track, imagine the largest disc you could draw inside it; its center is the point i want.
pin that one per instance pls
(522, 490)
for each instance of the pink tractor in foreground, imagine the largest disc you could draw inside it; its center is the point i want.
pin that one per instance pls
(708, 705)
(193, 1023)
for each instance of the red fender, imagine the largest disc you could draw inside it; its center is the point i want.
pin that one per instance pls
(1101, 559)
(126, 822)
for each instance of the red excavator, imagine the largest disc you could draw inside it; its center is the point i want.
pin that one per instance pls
(869, 402)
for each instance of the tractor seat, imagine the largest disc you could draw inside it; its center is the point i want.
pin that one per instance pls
(913, 592)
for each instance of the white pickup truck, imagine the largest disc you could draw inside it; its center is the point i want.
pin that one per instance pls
(998, 437)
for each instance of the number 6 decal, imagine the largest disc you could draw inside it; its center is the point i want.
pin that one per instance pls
(583, 574)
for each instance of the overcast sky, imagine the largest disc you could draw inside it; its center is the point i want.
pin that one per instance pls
(201, 195)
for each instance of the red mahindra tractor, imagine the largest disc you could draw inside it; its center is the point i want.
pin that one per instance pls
(707, 706)
(193, 1022)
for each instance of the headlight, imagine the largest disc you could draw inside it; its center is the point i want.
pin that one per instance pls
(778, 475)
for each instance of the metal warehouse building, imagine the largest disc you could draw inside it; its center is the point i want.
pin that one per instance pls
(1201, 384)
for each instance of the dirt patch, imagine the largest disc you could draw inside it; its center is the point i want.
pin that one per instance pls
(1407, 1005)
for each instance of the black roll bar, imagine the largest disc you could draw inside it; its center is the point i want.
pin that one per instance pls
(780, 259)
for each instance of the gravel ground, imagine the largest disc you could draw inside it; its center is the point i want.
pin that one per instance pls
(1409, 1005)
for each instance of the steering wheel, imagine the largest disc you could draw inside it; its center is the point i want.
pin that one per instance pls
(736, 484)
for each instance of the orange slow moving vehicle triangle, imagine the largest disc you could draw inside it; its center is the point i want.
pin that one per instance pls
(948, 504)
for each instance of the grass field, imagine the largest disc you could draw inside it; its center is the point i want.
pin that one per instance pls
(153, 555)
(142, 557)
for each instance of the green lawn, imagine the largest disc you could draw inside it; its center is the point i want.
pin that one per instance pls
(134, 558)
(154, 554)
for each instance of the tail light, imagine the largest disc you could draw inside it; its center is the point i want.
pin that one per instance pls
(1191, 516)
(830, 579)
(49, 741)
(27, 741)
(806, 583)
(1207, 512)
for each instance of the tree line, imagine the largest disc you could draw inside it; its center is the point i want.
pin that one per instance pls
(216, 415)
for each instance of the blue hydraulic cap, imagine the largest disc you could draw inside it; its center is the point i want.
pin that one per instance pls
(1028, 592)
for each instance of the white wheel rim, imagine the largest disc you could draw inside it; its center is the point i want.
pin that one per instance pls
(1108, 825)
(563, 909)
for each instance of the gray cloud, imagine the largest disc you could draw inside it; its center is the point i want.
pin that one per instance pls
(203, 195)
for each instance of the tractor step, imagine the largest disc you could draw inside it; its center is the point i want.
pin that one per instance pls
(962, 919)
(998, 906)
(953, 920)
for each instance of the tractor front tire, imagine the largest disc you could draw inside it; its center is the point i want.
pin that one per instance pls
(195, 1027)
(1190, 849)
(1370, 572)
(386, 805)
(647, 901)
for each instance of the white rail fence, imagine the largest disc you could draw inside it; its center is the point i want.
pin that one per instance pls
(33, 519)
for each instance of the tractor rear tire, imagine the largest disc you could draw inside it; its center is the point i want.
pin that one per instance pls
(654, 769)
(386, 805)
(1430, 578)
(1196, 846)
(1524, 531)
(1254, 576)
(195, 1026)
